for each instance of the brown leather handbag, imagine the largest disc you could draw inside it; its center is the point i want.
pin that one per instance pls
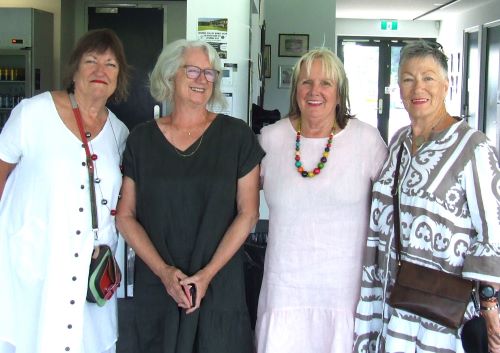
(435, 295)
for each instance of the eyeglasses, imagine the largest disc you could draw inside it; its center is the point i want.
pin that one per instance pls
(194, 72)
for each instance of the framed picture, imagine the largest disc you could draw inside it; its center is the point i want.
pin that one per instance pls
(285, 76)
(266, 62)
(293, 44)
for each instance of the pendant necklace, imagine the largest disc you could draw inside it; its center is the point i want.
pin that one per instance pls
(200, 140)
(184, 155)
(322, 161)
(420, 140)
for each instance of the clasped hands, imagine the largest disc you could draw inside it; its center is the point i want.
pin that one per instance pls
(178, 285)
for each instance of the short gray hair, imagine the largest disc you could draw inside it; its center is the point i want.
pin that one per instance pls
(423, 48)
(171, 59)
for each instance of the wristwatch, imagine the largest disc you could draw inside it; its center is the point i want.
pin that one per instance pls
(488, 293)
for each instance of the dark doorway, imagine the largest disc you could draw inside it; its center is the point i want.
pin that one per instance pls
(141, 31)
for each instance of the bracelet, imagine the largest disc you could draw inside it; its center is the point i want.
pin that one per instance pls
(488, 308)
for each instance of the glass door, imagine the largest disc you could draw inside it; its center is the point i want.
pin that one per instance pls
(398, 117)
(371, 66)
(361, 65)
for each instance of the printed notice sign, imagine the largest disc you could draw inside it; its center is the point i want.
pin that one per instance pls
(214, 32)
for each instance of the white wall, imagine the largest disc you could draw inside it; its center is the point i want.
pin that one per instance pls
(176, 20)
(238, 38)
(451, 37)
(294, 16)
(451, 33)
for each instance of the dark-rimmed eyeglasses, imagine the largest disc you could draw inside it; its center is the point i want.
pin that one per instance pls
(194, 72)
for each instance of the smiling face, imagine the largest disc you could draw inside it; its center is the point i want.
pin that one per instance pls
(193, 91)
(316, 93)
(423, 87)
(97, 75)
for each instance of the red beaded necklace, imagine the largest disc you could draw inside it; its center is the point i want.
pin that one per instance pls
(322, 161)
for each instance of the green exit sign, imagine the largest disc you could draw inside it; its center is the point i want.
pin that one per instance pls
(388, 25)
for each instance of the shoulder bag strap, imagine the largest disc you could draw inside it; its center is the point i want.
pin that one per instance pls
(395, 203)
(90, 163)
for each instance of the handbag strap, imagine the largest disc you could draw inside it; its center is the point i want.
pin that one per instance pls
(395, 203)
(90, 164)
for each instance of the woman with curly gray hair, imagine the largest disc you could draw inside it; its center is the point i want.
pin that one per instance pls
(190, 198)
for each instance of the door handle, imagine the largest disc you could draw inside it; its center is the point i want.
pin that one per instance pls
(380, 106)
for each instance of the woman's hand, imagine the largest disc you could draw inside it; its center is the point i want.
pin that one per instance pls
(201, 280)
(492, 327)
(171, 278)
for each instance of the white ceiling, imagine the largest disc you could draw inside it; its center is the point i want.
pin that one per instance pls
(403, 9)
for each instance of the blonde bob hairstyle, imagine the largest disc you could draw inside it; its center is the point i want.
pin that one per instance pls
(334, 70)
(171, 59)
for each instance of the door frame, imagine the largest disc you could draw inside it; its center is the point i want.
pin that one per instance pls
(464, 104)
(486, 27)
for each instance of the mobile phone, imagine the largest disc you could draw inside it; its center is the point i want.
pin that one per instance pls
(192, 292)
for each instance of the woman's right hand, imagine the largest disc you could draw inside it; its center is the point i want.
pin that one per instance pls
(170, 277)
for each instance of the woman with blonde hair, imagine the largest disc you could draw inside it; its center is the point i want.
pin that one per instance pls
(317, 176)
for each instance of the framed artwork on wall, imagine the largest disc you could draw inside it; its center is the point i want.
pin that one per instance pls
(293, 45)
(285, 76)
(266, 61)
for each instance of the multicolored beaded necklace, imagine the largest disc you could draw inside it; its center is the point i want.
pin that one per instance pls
(322, 161)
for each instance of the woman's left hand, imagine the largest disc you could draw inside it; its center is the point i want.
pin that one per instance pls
(493, 329)
(201, 280)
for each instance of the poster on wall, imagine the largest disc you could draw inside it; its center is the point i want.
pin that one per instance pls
(214, 32)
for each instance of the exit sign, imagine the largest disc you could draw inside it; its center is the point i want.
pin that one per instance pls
(388, 25)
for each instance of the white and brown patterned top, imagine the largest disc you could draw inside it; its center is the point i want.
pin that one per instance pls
(450, 221)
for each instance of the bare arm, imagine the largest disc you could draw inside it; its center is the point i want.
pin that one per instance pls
(247, 201)
(5, 169)
(136, 237)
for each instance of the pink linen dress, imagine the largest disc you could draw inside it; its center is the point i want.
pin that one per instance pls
(317, 234)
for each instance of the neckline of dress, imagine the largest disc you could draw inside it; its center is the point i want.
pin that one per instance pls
(440, 134)
(321, 139)
(63, 126)
(196, 142)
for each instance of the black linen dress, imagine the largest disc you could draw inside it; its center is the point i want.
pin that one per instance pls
(185, 204)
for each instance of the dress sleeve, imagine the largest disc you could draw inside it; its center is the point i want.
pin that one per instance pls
(250, 152)
(129, 167)
(379, 156)
(260, 138)
(482, 183)
(12, 137)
